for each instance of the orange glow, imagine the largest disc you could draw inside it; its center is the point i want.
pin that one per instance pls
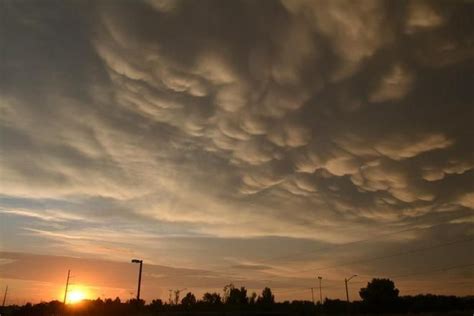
(77, 294)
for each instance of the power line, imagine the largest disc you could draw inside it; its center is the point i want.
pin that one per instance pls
(299, 289)
(411, 251)
(357, 241)
(424, 272)
(439, 269)
(432, 271)
(330, 247)
(401, 253)
(227, 272)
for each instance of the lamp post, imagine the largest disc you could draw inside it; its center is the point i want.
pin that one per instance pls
(139, 276)
(347, 281)
(320, 290)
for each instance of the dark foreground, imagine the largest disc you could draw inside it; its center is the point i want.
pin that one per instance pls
(422, 305)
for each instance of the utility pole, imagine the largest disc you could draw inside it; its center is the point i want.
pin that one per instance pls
(5, 296)
(67, 285)
(139, 276)
(170, 300)
(312, 294)
(176, 295)
(347, 291)
(320, 290)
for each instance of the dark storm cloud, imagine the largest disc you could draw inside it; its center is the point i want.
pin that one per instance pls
(319, 120)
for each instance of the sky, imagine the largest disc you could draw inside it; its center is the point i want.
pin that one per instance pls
(262, 143)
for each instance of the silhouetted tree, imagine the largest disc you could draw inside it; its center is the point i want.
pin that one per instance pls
(253, 298)
(227, 290)
(137, 303)
(156, 304)
(419, 304)
(234, 295)
(211, 298)
(188, 300)
(380, 294)
(267, 297)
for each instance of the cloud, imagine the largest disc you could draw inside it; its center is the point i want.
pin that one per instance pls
(290, 135)
(467, 200)
(397, 148)
(231, 98)
(393, 86)
(354, 30)
(163, 5)
(316, 121)
(422, 16)
(52, 216)
(435, 173)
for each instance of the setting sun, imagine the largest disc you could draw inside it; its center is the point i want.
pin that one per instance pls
(76, 296)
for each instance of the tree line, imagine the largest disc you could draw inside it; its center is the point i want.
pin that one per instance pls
(378, 297)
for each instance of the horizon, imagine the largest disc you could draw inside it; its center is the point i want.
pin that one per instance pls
(263, 144)
(87, 290)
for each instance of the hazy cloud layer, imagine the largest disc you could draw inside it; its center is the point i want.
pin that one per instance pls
(124, 124)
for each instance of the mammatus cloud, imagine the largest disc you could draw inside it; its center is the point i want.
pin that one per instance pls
(353, 29)
(392, 86)
(320, 121)
(421, 16)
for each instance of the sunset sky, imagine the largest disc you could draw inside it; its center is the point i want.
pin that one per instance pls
(263, 143)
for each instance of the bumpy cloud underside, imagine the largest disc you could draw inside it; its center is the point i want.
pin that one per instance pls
(320, 120)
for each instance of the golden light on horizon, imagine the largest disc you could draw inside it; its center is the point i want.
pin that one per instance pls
(77, 295)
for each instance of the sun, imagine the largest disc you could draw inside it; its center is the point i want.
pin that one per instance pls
(76, 295)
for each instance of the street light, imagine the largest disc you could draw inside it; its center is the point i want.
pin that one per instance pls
(347, 281)
(139, 276)
(320, 290)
